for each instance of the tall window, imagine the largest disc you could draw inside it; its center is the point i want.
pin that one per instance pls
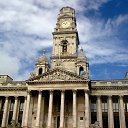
(81, 71)
(104, 111)
(115, 107)
(21, 106)
(64, 46)
(40, 71)
(11, 106)
(93, 107)
(104, 107)
(93, 110)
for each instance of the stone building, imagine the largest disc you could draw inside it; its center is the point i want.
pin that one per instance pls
(60, 94)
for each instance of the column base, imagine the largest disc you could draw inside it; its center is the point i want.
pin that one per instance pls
(48, 127)
(25, 127)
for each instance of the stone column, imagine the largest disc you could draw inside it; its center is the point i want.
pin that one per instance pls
(38, 109)
(49, 123)
(110, 113)
(15, 110)
(87, 114)
(62, 110)
(27, 110)
(0, 103)
(121, 112)
(24, 111)
(42, 111)
(74, 109)
(5, 113)
(99, 110)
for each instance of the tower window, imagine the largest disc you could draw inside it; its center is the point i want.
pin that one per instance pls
(81, 71)
(64, 46)
(40, 71)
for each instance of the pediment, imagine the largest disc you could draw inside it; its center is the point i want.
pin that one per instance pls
(58, 75)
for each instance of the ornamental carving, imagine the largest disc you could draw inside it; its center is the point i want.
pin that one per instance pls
(58, 75)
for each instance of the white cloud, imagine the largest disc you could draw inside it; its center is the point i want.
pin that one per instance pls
(26, 28)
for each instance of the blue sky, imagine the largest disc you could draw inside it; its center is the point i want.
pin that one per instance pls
(26, 28)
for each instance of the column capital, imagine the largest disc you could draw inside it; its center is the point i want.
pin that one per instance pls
(121, 96)
(25, 97)
(29, 92)
(6, 97)
(74, 90)
(40, 91)
(98, 96)
(16, 97)
(86, 91)
(109, 96)
(63, 90)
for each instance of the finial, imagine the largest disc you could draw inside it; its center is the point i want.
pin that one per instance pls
(81, 50)
(43, 52)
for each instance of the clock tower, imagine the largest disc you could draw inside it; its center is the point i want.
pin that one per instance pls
(65, 41)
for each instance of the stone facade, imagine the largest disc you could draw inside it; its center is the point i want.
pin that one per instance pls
(60, 94)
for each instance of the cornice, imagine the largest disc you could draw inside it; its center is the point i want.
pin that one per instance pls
(7, 88)
(57, 82)
(65, 32)
(64, 57)
(109, 88)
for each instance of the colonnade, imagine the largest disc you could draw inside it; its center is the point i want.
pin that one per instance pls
(110, 112)
(50, 108)
(6, 109)
(27, 99)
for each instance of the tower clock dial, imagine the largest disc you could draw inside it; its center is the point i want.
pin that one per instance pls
(65, 24)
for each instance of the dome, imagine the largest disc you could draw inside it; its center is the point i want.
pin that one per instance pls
(82, 56)
(42, 59)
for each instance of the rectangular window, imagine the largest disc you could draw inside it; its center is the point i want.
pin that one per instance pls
(93, 107)
(21, 106)
(126, 107)
(81, 118)
(104, 107)
(115, 107)
(12, 106)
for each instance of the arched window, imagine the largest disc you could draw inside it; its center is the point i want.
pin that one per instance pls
(81, 71)
(40, 71)
(64, 46)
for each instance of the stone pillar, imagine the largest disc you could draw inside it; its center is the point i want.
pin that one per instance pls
(15, 110)
(38, 109)
(49, 123)
(27, 110)
(62, 110)
(5, 113)
(18, 110)
(0, 103)
(42, 111)
(74, 109)
(24, 111)
(87, 114)
(121, 112)
(99, 110)
(110, 113)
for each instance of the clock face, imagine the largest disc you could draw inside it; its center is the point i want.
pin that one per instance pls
(65, 24)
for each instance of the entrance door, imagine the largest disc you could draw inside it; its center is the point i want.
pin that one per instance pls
(58, 121)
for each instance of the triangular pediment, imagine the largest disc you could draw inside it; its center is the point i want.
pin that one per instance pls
(58, 75)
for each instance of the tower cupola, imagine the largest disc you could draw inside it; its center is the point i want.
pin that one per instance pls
(82, 64)
(41, 65)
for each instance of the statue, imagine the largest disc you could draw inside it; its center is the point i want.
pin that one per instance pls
(95, 125)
